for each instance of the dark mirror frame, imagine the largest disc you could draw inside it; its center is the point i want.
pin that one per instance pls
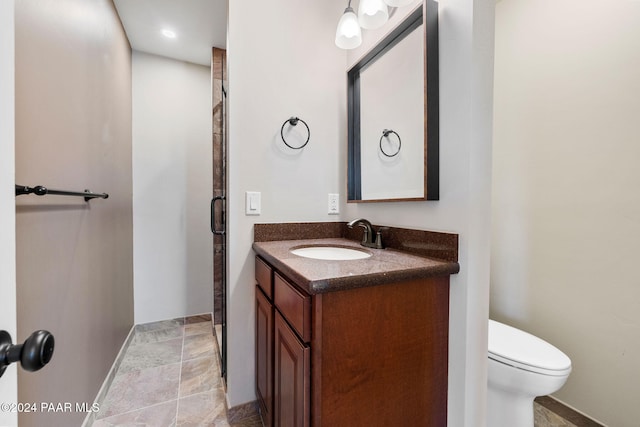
(427, 15)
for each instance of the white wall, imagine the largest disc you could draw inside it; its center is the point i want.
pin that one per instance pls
(8, 382)
(172, 188)
(72, 131)
(566, 202)
(298, 70)
(282, 62)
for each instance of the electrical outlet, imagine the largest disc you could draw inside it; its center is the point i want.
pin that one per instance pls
(334, 204)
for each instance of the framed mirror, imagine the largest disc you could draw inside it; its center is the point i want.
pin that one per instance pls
(393, 114)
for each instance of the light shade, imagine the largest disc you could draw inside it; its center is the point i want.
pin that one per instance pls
(372, 14)
(348, 34)
(398, 3)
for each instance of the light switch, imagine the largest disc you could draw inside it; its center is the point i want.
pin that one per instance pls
(252, 205)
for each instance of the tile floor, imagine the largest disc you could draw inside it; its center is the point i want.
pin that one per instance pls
(169, 376)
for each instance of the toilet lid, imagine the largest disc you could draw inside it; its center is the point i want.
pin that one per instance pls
(525, 351)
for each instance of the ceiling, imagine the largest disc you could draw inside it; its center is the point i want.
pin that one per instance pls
(199, 25)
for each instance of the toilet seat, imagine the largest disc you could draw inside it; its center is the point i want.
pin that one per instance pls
(522, 350)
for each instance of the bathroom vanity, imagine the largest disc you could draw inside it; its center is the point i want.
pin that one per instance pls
(351, 342)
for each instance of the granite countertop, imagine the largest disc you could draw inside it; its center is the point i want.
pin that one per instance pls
(320, 276)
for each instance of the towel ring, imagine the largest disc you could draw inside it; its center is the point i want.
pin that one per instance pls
(385, 134)
(293, 121)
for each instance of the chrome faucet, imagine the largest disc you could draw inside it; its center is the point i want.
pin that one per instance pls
(367, 236)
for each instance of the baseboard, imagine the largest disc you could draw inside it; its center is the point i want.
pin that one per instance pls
(91, 416)
(566, 412)
(241, 412)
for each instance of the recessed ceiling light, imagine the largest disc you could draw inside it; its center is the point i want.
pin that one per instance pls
(169, 34)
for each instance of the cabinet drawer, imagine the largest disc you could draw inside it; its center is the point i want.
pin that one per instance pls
(294, 306)
(264, 278)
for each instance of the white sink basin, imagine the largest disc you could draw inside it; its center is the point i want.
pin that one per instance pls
(334, 253)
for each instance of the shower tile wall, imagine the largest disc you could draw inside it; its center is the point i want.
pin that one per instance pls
(217, 75)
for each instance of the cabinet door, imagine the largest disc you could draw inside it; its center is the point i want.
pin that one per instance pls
(292, 377)
(264, 356)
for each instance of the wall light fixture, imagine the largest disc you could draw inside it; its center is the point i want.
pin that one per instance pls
(348, 34)
(372, 14)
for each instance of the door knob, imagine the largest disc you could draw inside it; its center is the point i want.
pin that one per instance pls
(36, 351)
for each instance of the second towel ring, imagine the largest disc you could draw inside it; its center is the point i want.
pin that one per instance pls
(385, 134)
(293, 121)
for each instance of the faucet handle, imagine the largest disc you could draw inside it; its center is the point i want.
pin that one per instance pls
(365, 234)
(378, 241)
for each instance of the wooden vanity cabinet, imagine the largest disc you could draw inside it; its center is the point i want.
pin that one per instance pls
(370, 356)
(282, 350)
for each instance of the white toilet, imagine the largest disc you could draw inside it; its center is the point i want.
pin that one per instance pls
(521, 367)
